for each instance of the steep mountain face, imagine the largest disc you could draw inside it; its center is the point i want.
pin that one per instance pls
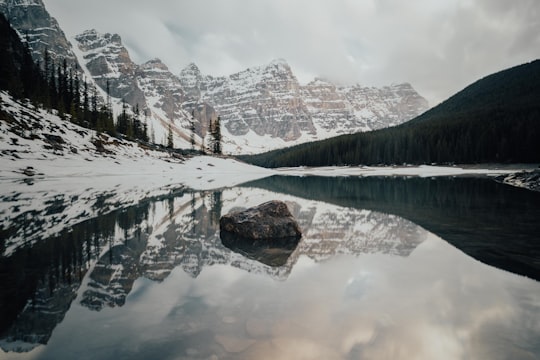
(35, 25)
(167, 100)
(150, 86)
(269, 102)
(265, 100)
(110, 66)
(378, 108)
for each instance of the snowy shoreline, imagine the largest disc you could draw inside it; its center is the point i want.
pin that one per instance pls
(413, 170)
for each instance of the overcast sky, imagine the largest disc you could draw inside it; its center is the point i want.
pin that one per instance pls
(439, 46)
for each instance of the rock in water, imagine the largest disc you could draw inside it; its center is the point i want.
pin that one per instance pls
(267, 233)
(271, 220)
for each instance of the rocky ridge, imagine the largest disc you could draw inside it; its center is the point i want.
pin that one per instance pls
(269, 102)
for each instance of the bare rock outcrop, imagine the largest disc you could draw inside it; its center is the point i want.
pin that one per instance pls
(267, 233)
(270, 220)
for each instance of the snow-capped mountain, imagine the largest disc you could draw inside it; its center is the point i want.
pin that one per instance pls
(105, 60)
(268, 106)
(109, 65)
(261, 108)
(264, 100)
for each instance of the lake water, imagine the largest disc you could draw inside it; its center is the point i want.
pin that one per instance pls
(388, 268)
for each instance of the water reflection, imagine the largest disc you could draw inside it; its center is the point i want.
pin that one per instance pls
(272, 252)
(155, 280)
(494, 223)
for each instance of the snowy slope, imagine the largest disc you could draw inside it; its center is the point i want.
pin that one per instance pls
(151, 87)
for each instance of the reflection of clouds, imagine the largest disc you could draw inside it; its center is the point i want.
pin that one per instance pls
(438, 303)
(435, 303)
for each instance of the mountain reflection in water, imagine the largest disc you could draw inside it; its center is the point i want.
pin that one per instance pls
(494, 223)
(172, 289)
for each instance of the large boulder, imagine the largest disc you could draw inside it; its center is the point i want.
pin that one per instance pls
(267, 233)
(271, 220)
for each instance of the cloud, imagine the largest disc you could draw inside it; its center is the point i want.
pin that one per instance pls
(439, 47)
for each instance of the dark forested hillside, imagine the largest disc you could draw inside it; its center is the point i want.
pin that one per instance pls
(18, 73)
(496, 119)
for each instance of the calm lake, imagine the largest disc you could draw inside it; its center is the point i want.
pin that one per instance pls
(388, 268)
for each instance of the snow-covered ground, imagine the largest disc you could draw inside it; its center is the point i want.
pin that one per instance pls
(421, 171)
(523, 179)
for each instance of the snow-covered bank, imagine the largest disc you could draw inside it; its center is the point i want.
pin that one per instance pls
(421, 171)
(523, 179)
(35, 142)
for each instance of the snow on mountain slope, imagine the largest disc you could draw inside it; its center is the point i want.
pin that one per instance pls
(109, 64)
(151, 87)
(268, 105)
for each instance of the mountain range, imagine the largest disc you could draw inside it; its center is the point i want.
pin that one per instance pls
(261, 108)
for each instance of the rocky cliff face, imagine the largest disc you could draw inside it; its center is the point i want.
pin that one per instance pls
(35, 25)
(268, 102)
(341, 110)
(265, 101)
(386, 106)
(110, 65)
(150, 86)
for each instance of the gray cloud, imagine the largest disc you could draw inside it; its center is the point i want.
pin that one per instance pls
(439, 47)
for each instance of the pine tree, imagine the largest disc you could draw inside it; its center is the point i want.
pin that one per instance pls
(46, 70)
(94, 109)
(170, 143)
(77, 99)
(192, 125)
(122, 121)
(86, 105)
(61, 90)
(216, 136)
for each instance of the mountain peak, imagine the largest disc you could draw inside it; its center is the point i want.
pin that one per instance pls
(92, 35)
(191, 68)
(319, 81)
(30, 17)
(155, 64)
(278, 62)
(22, 2)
